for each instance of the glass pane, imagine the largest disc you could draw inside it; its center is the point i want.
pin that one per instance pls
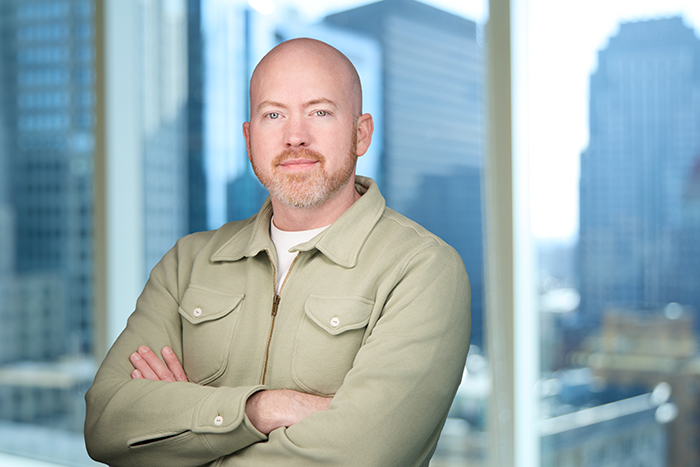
(614, 150)
(47, 99)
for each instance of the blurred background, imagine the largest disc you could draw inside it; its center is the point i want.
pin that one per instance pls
(120, 131)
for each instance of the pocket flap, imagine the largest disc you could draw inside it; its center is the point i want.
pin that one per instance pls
(200, 305)
(338, 314)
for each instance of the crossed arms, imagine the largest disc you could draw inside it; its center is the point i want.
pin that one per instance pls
(266, 410)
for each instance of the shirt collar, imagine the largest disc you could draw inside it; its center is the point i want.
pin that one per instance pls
(341, 242)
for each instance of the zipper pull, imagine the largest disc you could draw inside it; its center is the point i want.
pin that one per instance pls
(275, 304)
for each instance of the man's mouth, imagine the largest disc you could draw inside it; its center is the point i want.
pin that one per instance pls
(298, 160)
(298, 165)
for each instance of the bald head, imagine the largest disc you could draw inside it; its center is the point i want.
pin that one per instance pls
(311, 53)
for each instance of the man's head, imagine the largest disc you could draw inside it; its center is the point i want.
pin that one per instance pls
(306, 129)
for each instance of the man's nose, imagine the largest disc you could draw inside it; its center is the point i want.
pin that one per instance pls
(297, 133)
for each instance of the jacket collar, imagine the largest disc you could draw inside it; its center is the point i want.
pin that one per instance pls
(341, 242)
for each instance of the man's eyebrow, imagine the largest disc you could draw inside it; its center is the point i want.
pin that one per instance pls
(270, 104)
(321, 100)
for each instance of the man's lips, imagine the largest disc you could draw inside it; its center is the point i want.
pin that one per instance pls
(298, 164)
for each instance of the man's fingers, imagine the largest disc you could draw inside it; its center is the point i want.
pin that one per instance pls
(144, 370)
(174, 364)
(150, 366)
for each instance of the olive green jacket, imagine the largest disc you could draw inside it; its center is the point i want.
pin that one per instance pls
(374, 312)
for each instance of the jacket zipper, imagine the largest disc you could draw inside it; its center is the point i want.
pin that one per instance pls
(275, 306)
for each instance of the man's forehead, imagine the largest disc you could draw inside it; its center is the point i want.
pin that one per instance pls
(306, 48)
(308, 64)
(300, 85)
(298, 64)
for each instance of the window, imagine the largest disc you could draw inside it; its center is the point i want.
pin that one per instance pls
(612, 169)
(604, 110)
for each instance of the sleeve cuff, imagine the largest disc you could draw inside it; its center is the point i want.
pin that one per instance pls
(221, 421)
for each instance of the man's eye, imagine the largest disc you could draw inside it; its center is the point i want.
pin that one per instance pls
(321, 113)
(273, 116)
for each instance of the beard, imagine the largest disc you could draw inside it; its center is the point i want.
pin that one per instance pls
(307, 189)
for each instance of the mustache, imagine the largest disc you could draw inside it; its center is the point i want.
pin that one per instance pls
(300, 153)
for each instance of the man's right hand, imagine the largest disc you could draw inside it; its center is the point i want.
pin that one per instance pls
(272, 409)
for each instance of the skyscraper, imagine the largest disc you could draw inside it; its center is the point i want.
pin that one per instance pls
(197, 186)
(47, 119)
(433, 134)
(225, 27)
(636, 239)
(163, 66)
(47, 146)
(47, 111)
(7, 249)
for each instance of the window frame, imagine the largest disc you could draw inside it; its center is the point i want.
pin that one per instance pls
(511, 322)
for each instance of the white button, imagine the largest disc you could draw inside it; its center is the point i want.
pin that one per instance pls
(218, 420)
(335, 322)
(197, 312)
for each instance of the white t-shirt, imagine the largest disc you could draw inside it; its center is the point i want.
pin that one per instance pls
(284, 241)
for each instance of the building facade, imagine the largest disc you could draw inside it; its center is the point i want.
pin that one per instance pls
(433, 130)
(47, 111)
(48, 71)
(635, 216)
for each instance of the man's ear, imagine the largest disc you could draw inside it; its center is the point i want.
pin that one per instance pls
(246, 135)
(365, 128)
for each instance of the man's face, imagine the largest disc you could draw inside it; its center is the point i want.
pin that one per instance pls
(302, 135)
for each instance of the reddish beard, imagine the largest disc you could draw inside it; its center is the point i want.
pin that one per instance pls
(309, 188)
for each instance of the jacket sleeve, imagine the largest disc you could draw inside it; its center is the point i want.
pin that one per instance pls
(394, 401)
(155, 423)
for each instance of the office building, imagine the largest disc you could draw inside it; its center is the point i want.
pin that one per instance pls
(47, 119)
(433, 126)
(225, 27)
(637, 237)
(197, 181)
(163, 67)
(47, 144)
(47, 111)
(8, 317)
(244, 196)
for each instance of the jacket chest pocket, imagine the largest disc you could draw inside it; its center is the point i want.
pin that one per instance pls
(208, 321)
(328, 338)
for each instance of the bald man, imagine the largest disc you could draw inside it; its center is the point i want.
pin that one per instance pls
(327, 329)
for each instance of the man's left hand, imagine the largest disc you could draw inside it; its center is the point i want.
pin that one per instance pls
(148, 366)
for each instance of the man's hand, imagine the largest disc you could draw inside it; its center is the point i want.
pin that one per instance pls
(149, 366)
(272, 409)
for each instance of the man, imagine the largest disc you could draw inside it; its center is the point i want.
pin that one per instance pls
(325, 330)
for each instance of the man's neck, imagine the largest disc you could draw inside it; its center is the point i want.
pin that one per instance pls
(292, 219)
